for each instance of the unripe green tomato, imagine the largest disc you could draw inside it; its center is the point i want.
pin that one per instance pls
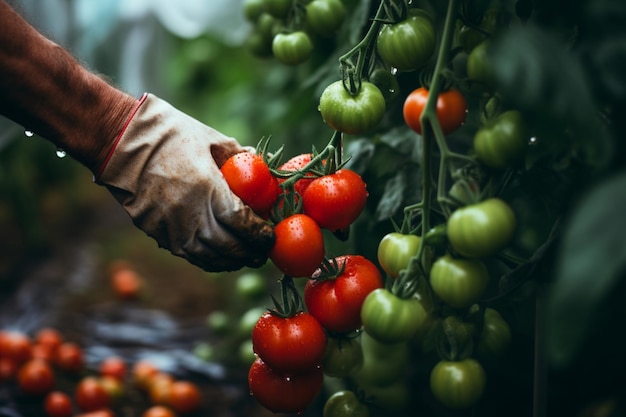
(342, 357)
(352, 114)
(479, 66)
(393, 398)
(219, 322)
(458, 282)
(324, 17)
(345, 403)
(503, 142)
(383, 363)
(278, 8)
(480, 230)
(495, 336)
(292, 48)
(408, 44)
(251, 286)
(252, 9)
(246, 352)
(386, 82)
(395, 250)
(248, 320)
(458, 384)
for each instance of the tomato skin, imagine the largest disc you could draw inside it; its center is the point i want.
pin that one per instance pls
(345, 403)
(458, 282)
(184, 397)
(342, 356)
(395, 250)
(58, 404)
(299, 246)
(336, 200)
(480, 230)
(495, 337)
(292, 48)
(336, 303)
(289, 345)
(282, 394)
(90, 395)
(451, 109)
(458, 384)
(35, 377)
(407, 45)
(390, 319)
(250, 179)
(350, 114)
(502, 142)
(325, 16)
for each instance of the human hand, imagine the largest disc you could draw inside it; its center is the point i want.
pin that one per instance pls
(164, 170)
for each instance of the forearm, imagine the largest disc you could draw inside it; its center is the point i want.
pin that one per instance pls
(43, 88)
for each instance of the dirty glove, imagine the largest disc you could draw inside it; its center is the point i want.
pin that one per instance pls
(164, 170)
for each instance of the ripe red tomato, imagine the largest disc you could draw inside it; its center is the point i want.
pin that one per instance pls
(282, 394)
(299, 247)
(36, 377)
(90, 395)
(336, 302)
(8, 369)
(451, 109)
(106, 412)
(126, 283)
(250, 179)
(185, 397)
(289, 345)
(58, 404)
(113, 386)
(159, 388)
(49, 337)
(158, 411)
(113, 366)
(294, 164)
(335, 201)
(69, 357)
(16, 346)
(44, 352)
(142, 373)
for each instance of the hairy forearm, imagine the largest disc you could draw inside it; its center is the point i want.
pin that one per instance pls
(43, 88)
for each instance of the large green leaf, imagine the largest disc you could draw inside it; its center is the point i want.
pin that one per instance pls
(591, 262)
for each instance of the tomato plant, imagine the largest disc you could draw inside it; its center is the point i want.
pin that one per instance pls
(299, 247)
(409, 44)
(250, 179)
(336, 301)
(395, 250)
(58, 404)
(451, 109)
(458, 384)
(289, 345)
(336, 200)
(292, 48)
(345, 403)
(36, 377)
(481, 229)
(352, 113)
(458, 282)
(284, 394)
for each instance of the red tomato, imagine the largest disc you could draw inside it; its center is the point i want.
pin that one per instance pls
(44, 352)
(49, 337)
(143, 372)
(294, 164)
(299, 247)
(16, 346)
(69, 357)
(335, 201)
(58, 404)
(98, 413)
(282, 394)
(336, 302)
(8, 369)
(113, 366)
(289, 345)
(127, 283)
(35, 377)
(113, 386)
(90, 395)
(250, 179)
(159, 388)
(451, 109)
(158, 411)
(185, 397)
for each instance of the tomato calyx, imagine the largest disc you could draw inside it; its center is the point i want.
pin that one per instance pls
(290, 302)
(329, 269)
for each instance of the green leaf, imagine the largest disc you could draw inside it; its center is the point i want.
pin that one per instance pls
(591, 261)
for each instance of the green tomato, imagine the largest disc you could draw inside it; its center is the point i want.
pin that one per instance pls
(278, 8)
(219, 322)
(386, 82)
(479, 66)
(502, 142)
(342, 356)
(248, 320)
(324, 17)
(391, 319)
(480, 230)
(292, 48)
(458, 282)
(352, 114)
(492, 20)
(383, 364)
(395, 250)
(252, 9)
(251, 286)
(458, 384)
(390, 398)
(408, 44)
(246, 352)
(345, 403)
(495, 336)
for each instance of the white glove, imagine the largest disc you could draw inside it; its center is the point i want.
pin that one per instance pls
(164, 170)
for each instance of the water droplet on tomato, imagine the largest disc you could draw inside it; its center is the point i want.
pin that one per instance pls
(28, 133)
(61, 153)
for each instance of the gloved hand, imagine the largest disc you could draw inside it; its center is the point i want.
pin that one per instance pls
(164, 170)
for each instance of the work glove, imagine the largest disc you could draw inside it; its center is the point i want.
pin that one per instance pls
(164, 169)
